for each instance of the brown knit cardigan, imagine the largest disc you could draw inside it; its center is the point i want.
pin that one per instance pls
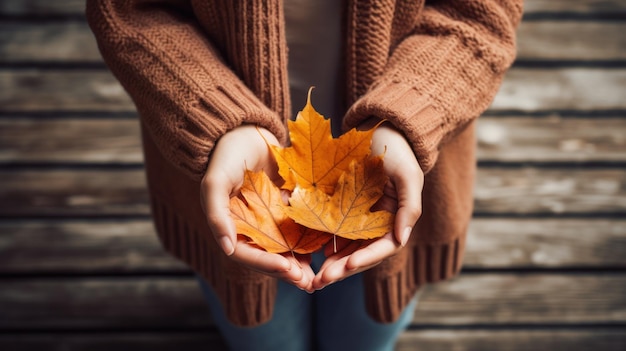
(199, 68)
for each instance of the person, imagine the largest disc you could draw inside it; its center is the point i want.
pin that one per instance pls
(211, 82)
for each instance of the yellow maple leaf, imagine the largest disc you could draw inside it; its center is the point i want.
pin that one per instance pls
(257, 214)
(315, 159)
(345, 213)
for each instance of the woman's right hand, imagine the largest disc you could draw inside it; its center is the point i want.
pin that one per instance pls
(239, 149)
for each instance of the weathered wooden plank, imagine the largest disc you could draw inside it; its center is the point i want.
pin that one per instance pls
(571, 40)
(580, 339)
(545, 243)
(524, 89)
(93, 303)
(132, 247)
(75, 140)
(50, 90)
(530, 190)
(73, 193)
(176, 302)
(512, 340)
(73, 42)
(510, 139)
(584, 89)
(107, 192)
(83, 247)
(76, 7)
(161, 341)
(42, 7)
(527, 299)
(552, 139)
(578, 6)
(65, 42)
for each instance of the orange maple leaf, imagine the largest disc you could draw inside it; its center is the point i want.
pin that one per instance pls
(315, 159)
(346, 213)
(258, 215)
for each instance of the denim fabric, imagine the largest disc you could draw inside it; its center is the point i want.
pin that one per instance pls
(330, 319)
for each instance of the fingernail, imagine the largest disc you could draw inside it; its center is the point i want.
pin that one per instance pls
(227, 245)
(406, 235)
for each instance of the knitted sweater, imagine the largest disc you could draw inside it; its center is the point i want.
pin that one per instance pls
(199, 68)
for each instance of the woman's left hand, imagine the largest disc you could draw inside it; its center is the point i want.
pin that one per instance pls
(402, 196)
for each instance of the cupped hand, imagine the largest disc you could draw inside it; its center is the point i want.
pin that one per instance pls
(402, 196)
(245, 148)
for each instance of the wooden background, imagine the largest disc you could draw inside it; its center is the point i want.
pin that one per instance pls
(80, 268)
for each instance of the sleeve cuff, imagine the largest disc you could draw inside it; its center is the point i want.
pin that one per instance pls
(409, 111)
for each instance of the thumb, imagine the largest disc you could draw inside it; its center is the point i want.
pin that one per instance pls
(216, 200)
(409, 192)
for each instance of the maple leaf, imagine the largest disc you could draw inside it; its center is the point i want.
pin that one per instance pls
(345, 213)
(315, 159)
(258, 216)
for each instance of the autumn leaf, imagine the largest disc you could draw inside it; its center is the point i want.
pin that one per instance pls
(334, 184)
(346, 213)
(315, 159)
(258, 215)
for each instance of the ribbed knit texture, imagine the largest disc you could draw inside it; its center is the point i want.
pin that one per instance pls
(436, 80)
(199, 68)
(178, 79)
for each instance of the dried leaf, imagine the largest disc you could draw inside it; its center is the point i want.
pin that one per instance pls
(346, 213)
(315, 159)
(258, 215)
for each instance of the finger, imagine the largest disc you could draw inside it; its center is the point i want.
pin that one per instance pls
(346, 263)
(373, 253)
(409, 190)
(333, 268)
(349, 247)
(265, 262)
(306, 283)
(332, 272)
(337, 271)
(216, 194)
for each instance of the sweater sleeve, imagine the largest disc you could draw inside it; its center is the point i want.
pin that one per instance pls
(186, 95)
(444, 74)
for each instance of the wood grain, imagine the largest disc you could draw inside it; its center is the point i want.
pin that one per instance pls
(70, 140)
(500, 139)
(95, 303)
(545, 243)
(131, 246)
(42, 7)
(136, 303)
(581, 89)
(579, 339)
(54, 90)
(58, 42)
(552, 191)
(528, 299)
(122, 192)
(80, 192)
(524, 89)
(112, 247)
(513, 340)
(141, 341)
(578, 6)
(571, 40)
(72, 41)
(551, 139)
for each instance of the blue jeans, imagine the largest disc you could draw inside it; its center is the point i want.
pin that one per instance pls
(330, 319)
